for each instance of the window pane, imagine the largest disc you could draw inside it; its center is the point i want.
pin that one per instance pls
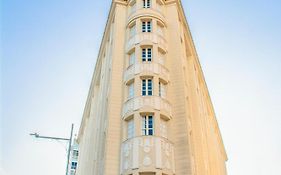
(133, 7)
(143, 87)
(160, 30)
(163, 128)
(131, 128)
(143, 54)
(148, 26)
(146, 3)
(149, 54)
(143, 26)
(133, 31)
(132, 59)
(131, 90)
(149, 88)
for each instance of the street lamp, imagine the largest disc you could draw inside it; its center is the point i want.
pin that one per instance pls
(36, 135)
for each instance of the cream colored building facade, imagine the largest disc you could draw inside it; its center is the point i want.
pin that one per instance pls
(148, 110)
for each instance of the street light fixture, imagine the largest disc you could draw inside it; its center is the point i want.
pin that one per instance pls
(36, 135)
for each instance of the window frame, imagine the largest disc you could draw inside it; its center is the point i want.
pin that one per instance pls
(130, 128)
(131, 90)
(147, 87)
(147, 26)
(147, 128)
(146, 54)
(132, 30)
(146, 4)
(132, 60)
(162, 89)
(164, 128)
(73, 165)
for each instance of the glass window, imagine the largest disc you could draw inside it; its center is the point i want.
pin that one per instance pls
(147, 54)
(146, 26)
(163, 128)
(73, 165)
(147, 87)
(147, 125)
(161, 57)
(75, 153)
(132, 58)
(133, 30)
(131, 129)
(131, 91)
(146, 4)
(133, 7)
(162, 90)
(160, 30)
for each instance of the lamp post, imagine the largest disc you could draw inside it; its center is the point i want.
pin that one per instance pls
(36, 135)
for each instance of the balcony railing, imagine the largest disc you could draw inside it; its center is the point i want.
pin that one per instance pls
(147, 36)
(146, 68)
(154, 102)
(148, 152)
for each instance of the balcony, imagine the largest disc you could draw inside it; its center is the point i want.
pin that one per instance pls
(147, 103)
(147, 152)
(146, 69)
(144, 37)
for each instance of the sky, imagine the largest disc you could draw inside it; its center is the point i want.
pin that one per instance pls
(48, 53)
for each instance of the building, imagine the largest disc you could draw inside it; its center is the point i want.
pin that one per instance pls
(74, 152)
(148, 110)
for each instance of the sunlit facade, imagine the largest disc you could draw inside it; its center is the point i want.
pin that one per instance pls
(148, 110)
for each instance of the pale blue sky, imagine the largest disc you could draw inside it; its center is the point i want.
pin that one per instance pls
(49, 49)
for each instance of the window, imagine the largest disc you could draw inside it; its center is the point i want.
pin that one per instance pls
(160, 30)
(133, 7)
(146, 4)
(132, 58)
(159, 6)
(162, 90)
(131, 129)
(73, 165)
(146, 54)
(161, 57)
(146, 26)
(147, 87)
(163, 128)
(147, 125)
(132, 31)
(75, 153)
(131, 91)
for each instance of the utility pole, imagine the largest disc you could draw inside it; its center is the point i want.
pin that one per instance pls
(36, 135)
